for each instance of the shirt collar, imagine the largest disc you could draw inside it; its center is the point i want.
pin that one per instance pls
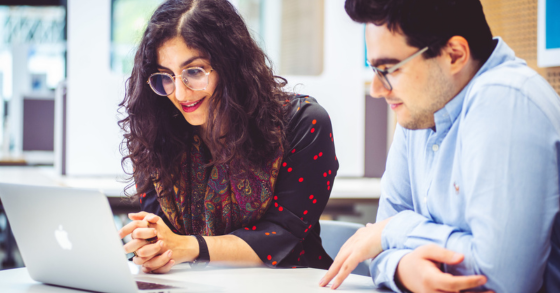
(446, 116)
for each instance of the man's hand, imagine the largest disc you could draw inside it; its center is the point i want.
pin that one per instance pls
(419, 271)
(364, 244)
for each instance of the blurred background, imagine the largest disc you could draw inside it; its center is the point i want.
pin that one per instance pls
(63, 65)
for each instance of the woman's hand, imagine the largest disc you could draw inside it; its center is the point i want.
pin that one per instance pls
(158, 257)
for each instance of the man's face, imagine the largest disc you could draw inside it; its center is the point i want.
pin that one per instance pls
(420, 87)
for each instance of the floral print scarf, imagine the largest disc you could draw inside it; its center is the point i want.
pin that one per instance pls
(208, 201)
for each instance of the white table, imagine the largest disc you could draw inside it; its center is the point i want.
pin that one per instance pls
(213, 279)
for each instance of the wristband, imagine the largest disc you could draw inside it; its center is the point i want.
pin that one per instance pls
(203, 255)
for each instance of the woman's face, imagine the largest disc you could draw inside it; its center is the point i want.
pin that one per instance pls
(173, 57)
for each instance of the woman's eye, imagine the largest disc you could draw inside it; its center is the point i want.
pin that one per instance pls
(195, 72)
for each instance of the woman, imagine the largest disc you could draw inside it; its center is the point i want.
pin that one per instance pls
(219, 151)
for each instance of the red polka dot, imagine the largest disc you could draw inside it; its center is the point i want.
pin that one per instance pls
(315, 158)
(302, 252)
(312, 130)
(246, 228)
(254, 227)
(335, 158)
(269, 257)
(294, 267)
(329, 172)
(305, 212)
(276, 204)
(266, 233)
(293, 151)
(290, 169)
(311, 196)
(287, 100)
(298, 259)
(314, 201)
(314, 121)
(328, 182)
(305, 230)
(140, 200)
(301, 218)
(144, 195)
(325, 174)
(275, 197)
(330, 134)
(301, 179)
(310, 226)
(280, 208)
(284, 164)
(328, 188)
(274, 263)
(273, 232)
(320, 154)
(320, 257)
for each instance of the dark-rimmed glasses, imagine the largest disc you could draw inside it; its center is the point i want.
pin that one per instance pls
(163, 83)
(382, 73)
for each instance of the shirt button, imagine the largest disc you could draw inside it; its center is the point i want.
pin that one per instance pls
(435, 147)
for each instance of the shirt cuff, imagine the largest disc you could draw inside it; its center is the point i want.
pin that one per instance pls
(384, 267)
(399, 227)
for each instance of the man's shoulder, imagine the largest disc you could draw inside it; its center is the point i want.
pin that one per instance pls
(512, 83)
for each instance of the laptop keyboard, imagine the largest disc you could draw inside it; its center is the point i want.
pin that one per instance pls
(151, 286)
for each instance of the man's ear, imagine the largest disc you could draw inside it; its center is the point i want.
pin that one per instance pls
(458, 53)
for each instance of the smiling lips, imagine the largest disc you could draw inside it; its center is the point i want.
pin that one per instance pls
(192, 106)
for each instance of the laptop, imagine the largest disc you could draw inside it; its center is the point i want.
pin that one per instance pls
(67, 237)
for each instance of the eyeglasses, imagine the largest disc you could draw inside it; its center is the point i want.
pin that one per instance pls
(382, 73)
(194, 78)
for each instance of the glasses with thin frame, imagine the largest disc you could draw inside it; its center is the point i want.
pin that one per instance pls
(195, 78)
(382, 73)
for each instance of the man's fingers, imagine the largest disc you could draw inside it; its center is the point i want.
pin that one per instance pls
(134, 245)
(349, 265)
(335, 267)
(165, 269)
(448, 282)
(149, 250)
(440, 254)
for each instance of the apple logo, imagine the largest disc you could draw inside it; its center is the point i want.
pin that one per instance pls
(62, 238)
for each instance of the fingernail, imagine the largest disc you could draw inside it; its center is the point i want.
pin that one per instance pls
(321, 282)
(169, 253)
(481, 282)
(160, 243)
(334, 286)
(456, 257)
(155, 232)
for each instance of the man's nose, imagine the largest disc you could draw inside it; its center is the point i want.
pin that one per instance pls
(377, 89)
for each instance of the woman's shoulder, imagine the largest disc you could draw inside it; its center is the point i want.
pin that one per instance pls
(304, 107)
(306, 116)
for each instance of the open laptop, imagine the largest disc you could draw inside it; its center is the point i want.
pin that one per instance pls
(67, 237)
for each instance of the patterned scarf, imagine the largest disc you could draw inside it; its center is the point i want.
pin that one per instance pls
(208, 201)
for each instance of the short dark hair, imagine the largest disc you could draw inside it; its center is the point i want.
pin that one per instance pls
(429, 22)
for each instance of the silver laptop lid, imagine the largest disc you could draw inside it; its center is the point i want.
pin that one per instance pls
(67, 237)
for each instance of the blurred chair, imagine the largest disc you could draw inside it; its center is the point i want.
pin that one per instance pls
(334, 234)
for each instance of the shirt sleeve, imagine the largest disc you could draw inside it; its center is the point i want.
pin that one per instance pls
(510, 179)
(396, 196)
(302, 189)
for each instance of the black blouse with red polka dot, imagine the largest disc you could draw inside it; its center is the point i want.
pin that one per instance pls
(288, 233)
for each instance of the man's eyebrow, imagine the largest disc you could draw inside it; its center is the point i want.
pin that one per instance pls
(383, 61)
(189, 61)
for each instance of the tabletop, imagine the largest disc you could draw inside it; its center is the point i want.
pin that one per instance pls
(212, 279)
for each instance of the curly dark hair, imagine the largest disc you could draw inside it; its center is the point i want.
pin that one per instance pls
(429, 22)
(245, 124)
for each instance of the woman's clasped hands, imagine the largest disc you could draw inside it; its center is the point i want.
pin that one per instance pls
(157, 249)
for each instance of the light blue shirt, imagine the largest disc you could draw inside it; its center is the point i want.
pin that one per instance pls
(484, 184)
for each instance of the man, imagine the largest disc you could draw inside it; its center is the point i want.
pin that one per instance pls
(470, 195)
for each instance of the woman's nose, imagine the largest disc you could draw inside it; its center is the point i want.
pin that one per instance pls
(182, 92)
